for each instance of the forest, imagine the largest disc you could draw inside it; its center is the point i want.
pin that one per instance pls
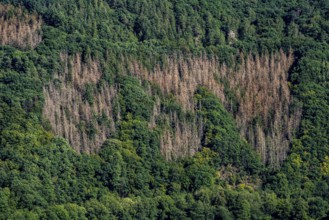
(164, 109)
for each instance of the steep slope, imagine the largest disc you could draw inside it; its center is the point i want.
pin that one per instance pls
(159, 99)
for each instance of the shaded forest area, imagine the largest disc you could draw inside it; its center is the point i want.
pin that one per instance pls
(122, 109)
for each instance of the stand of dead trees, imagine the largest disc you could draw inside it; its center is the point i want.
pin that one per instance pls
(68, 111)
(255, 90)
(18, 28)
(260, 89)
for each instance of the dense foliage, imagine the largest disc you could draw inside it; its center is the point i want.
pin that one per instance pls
(41, 176)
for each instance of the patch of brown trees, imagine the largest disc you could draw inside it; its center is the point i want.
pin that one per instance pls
(19, 28)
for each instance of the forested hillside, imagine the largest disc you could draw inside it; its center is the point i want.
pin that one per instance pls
(163, 109)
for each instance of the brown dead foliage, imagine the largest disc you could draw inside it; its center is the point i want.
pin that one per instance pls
(19, 28)
(69, 113)
(260, 87)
